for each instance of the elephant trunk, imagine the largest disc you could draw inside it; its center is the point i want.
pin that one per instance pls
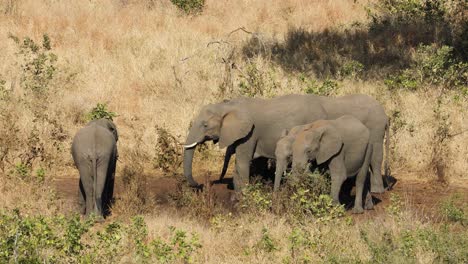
(280, 169)
(188, 159)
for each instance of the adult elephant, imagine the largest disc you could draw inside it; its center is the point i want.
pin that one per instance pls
(251, 127)
(94, 151)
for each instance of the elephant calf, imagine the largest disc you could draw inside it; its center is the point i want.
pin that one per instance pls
(343, 143)
(94, 152)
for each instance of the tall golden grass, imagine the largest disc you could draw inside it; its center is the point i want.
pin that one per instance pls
(155, 66)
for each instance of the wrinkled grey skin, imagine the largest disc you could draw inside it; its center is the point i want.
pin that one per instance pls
(343, 144)
(251, 127)
(94, 151)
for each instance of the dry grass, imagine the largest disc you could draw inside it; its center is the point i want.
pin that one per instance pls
(153, 67)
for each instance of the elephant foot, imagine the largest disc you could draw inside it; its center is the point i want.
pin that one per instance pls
(99, 219)
(369, 206)
(358, 210)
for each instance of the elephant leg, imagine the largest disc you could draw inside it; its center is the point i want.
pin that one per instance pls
(338, 176)
(244, 154)
(368, 204)
(376, 185)
(101, 170)
(229, 151)
(81, 194)
(361, 180)
(86, 185)
(109, 188)
(281, 164)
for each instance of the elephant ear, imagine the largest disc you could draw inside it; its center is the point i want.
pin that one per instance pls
(329, 145)
(113, 129)
(234, 126)
(110, 126)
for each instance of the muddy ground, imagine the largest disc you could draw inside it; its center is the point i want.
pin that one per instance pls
(423, 196)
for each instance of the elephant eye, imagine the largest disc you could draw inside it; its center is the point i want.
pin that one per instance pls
(205, 124)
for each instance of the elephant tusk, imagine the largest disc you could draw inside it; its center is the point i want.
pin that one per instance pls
(190, 146)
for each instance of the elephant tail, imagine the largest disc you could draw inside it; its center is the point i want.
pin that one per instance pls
(387, 155)
(94, 168)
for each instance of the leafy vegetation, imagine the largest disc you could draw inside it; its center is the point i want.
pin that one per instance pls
(67, 239)
(101, 111)
(189, 6)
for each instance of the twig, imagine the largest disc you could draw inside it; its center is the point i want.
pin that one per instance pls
(178, 81)
(240, 29)
(458, 133)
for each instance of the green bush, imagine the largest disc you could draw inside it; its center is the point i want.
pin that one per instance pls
(257, 83)
(61, 239)
(311, 86)
(404, 80)
(38, 63)
(100, 111)
(266, 242)
(451, 211)
(306, 196)
(189, 6)
(256, 197)
(351, 69)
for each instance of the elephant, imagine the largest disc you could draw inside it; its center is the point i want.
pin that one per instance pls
(94, 151)
(342, 144)
(251, 127)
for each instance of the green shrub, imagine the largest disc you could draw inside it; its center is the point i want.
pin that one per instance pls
(328, 87)
(189, 6)
(404, 80)
(38, 64)
(451, 211)
(351, 69)
(256, 197)
(179, 247)
(257, 83)
(306, 196)
(100, 111)
(67, 239)
(266, 242)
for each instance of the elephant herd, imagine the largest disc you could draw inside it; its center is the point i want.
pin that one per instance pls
(344, 133)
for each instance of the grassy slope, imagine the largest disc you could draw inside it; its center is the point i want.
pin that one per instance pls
(131, 56)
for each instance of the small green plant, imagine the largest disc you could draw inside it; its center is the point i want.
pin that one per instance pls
(351, 69)
(451, 211)
(168, 155)
(300, 244)
(404, 80)
(40, 174)
(22, 171)
(100, 111)
(189, 6)
(328, 87)
(179, 247)
(266, 242)
(256, 197)
(396, 205)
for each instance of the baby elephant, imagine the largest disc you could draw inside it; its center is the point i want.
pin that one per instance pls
(94, 151)
(343, 143)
